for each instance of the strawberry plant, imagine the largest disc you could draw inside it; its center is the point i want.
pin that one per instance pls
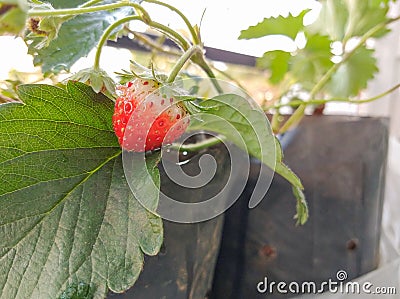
(72, 224)
(335, 63)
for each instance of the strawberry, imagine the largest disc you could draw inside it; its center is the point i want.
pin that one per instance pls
(142, 98)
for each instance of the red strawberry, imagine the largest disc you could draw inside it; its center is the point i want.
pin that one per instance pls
(164, 114)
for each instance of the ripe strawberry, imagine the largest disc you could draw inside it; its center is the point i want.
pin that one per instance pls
(164, 114)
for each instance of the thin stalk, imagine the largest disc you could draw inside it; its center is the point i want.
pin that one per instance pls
(352, 101)
(90, 3)
(78, 10)
(106, 35)
(294, 119)
(181, 62)
(231, 78)
(195, 37)
(200, 61)
(275, 122)
(194, 147)
(151, 44)
(172, 34)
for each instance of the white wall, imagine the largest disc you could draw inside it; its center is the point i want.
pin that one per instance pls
(388, 55)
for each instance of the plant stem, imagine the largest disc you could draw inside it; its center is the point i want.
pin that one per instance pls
(299, 113)
(275, 123)
(294, 119)
(90, 3)
(145, 18)
(151, 44)
(231, 78)
(324, 101)
(172, 34)
(181, 62)
(200, 61)
(78, 10)
(195, 37)
(194, 147)
(106, 34)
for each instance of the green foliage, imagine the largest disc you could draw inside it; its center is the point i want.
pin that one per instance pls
(97, 79)
(289, 26)
(339, 21)
(77, 291)
(301, 206)
(304, 66)
(312, 62)
(66, 211)
(332, 20)
(344, 19)
(277, 62)
(354, 74)
(251, 123)
(69, 38)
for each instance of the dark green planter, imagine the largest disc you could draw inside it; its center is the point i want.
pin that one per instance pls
(341, 161)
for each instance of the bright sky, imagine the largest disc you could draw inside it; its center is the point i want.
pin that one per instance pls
(224, 19)
(221, 25)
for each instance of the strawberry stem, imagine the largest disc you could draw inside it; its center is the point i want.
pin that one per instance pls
(200, 61)
(105, 36)
(196, 38)
(181, 62)
(324, 101)
(80, 10)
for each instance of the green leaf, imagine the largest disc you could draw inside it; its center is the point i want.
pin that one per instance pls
(353, 75)
(332, 20)
(301, 206)
(312, 62)
(343, 19)
(77, 291)
(75, 39)
(364, 15)
(289, 26)
(277, 62)
(250, 122)
(66, 213)
(98, 79)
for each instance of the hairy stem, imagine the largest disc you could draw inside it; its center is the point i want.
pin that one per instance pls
(172, 34)
(196, 39)
(106, 35)
(201, 62)
(79, 10)
(181, 62)
(90, 3)
(231, 78)
(151, 44)
(275, 122)
(352, 101)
